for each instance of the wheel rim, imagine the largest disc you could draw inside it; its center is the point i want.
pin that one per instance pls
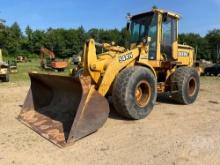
(192, 86)
(142, 93)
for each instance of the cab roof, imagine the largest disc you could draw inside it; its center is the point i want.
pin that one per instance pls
(162, 11)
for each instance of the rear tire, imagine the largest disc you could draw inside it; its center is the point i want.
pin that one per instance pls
(188, 85)
(134, 92)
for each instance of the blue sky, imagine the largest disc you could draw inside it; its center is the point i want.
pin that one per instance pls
(198, 15)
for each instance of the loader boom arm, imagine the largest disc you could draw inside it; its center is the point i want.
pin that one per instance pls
(104, 71)
(115, 67)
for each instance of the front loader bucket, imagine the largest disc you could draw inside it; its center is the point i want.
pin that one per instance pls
(63, 109)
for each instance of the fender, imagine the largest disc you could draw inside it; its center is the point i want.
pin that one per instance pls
(148, 66)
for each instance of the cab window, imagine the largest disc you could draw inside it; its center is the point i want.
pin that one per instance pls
(142, 26)
(169, 35)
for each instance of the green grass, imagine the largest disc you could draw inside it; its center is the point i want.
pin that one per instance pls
(23, 68)
(209, 78)
(34, 65)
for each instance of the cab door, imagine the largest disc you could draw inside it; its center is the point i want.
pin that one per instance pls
(169, 44)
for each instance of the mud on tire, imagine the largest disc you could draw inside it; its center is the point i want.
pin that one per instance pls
(134, 92)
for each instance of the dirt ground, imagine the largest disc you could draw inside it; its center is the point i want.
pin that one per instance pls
(172, 134)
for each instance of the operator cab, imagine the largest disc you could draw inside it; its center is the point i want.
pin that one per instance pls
(163, 35)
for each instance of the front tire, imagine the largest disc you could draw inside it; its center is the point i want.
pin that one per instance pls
(188, 85)
(134, 92)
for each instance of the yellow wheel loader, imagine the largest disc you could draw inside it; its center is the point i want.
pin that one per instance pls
(66, 109)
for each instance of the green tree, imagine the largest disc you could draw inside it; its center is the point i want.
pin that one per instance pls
(125, 38)
(14, 36)
(3, 34)
(55, 41)
(199, 43)
(27, 42)
(29, 32)
(213, 38)
(39, 40)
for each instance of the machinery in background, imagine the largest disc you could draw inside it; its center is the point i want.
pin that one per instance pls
(13, 67)
(4, 69)
(75, 60)
(213, 70)
(22, 59)
(49, 62)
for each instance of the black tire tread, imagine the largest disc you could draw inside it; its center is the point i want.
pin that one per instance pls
(179, 77)
(119, 88)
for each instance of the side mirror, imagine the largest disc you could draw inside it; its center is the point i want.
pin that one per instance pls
(128, 26)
